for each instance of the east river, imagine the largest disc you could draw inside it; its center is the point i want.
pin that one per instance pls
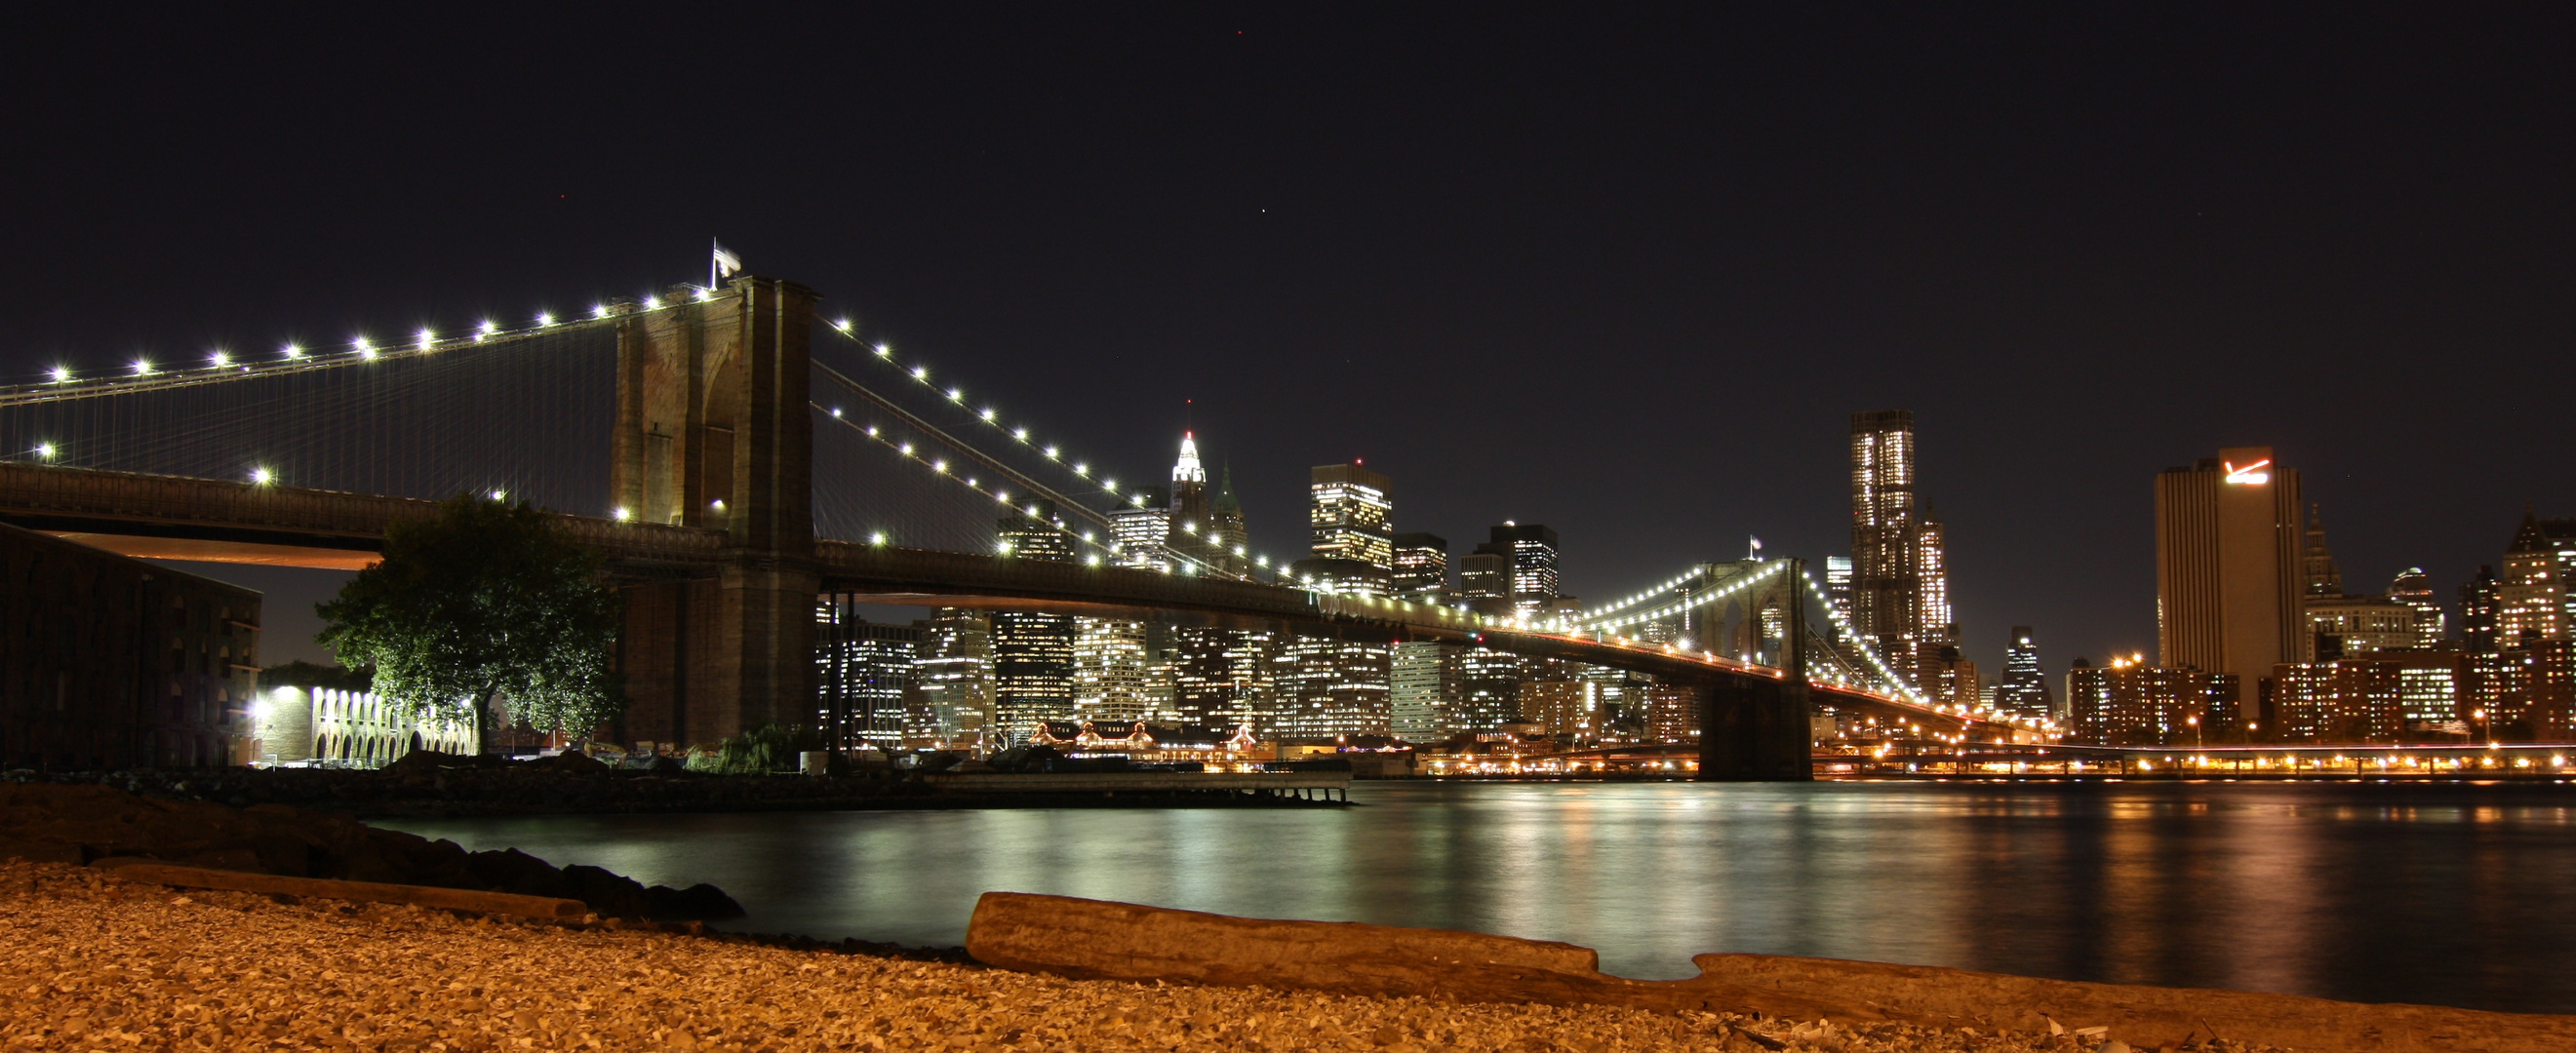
(2449, 894)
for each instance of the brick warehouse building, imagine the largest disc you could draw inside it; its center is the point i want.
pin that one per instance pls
(110, 662)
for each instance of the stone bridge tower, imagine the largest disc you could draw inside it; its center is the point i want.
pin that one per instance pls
(1759, 731)
(713, 431)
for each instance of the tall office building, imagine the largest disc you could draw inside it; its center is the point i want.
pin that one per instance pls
(1226, 527)
(1529, 559)
(1489, 685)
(1485, 580)
(1141, 524)
(1032, 652)
(2531, 596)
(1424, 690)
(2414, 588)
(2479, 603)
(1347, 509)
(1109, 671)
(2323, 577)
(2024, 690)
(1222, 678)
(954, 671)
(865, 680)
(1900, 593)
(1422, 567)
(2230, 573)
(1838, 592)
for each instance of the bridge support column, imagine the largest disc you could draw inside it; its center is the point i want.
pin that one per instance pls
(1756, 729)
(713, 429)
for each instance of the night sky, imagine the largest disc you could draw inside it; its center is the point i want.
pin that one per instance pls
(1623, 273)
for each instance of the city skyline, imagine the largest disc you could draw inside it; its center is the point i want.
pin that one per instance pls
(2075, 274)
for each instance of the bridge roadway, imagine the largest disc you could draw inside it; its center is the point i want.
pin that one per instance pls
(177, 517)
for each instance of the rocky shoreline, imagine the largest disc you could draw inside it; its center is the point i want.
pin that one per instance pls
(82, 824)
(88, 959)
(579, 787)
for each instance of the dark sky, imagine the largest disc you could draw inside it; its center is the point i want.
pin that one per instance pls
(1625, 273)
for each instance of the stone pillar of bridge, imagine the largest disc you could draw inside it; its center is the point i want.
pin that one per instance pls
(1756, 729)
(713, 432)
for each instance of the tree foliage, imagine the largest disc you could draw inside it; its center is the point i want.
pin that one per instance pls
(482, 599)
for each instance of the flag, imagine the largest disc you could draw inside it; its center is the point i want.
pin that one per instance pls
(727, 263)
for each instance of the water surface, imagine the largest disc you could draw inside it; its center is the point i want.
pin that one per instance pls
(2446, 894)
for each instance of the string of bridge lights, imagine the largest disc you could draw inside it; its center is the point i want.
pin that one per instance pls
(991, 417)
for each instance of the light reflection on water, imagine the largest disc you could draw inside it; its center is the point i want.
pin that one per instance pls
(2445, 894)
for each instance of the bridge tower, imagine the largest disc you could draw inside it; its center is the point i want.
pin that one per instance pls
(1759, 731)
(713, 431)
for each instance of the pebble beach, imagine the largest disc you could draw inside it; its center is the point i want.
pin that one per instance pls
(90, 961)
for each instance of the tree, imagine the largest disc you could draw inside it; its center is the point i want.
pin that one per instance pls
(483, 599)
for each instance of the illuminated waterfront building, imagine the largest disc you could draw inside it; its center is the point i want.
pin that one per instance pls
(2130, 703)
(953, 672)
(2230, 579)
(1333, 687)
(1032, 652)
(1424, 689)
(2386, 696)
(864, 678)
(1672, 712)
(1564, 707)
(1422, 567)
(1109, 671)
(1489, 684)
(2414, 588)
(1838, 594)
(1222, 679)
(1347, 510)
(2024, 690)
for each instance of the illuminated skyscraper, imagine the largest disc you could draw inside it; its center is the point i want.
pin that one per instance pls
(1529, 558)
(955, 673)
(2479, 604)
(1838, 591)
(1142, 523)
(2531, 594)
(864, 676)
(1109, 670)
(1424, 690)
(2230, 573)
(1347, 508)
(1900, 594)
(1032, 653)
(2415, 589)
(1222, 678)
(1421, 567)
(2025, 687)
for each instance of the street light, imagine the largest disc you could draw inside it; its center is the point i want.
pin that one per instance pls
(2196, 741)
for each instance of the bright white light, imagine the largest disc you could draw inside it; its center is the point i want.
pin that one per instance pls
(1110, 485)
(221, 359)
(1093, 559)
(545, 319)
(872, 431)
(1021, 434)
(1004, 496)
(426, 339)
(623, 514)
(142, 368)
(500, 495)
(705, 295)
(652, 302)
(939, 466)
(884, 350)
(1050, 452)
(921, 372)
(988, 414)
(61, 373)
(877, 538)
(1081, 469)
(955, 395)
(842, 325)
(1261, 561)
(836, 413)
(259, 476)
(970, 480)
(599, 310)
(1138, 500)
(45, 450)
(906, 449)
(488, 327)
(1003, 548)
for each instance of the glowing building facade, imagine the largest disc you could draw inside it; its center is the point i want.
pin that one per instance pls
(1899, 591)
(2230, 574)
(2024, 690)
(1347, 511)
